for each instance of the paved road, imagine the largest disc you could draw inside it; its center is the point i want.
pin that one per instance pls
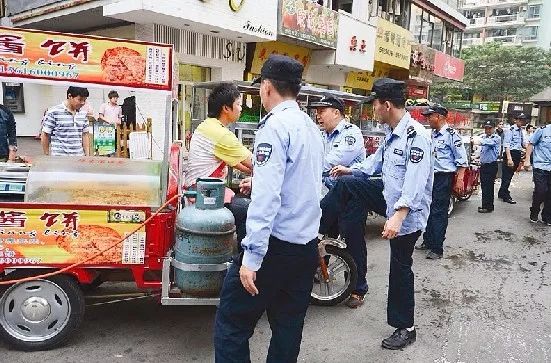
(488, 300)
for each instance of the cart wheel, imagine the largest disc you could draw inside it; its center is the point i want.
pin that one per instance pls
(452, 205)
(41, 314)
(465, 197)
(343, 275)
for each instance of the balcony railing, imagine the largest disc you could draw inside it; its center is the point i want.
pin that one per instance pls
(506, 39)
(475, 4)
(503, 19)
(471, 41)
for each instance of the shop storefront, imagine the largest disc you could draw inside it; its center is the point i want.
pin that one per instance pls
(209, 38)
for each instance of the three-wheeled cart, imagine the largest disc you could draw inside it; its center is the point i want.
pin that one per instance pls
(69, 223)
(471, 178)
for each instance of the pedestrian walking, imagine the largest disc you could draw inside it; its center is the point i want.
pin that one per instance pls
(489, 152)
(343, 141)
(513, 144)
(540, 148)
(276, 270)
(450, 157)
(407, 169)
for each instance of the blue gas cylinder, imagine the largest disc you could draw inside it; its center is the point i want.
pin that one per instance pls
(204, 235)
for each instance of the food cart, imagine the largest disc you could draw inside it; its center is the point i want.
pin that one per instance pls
(68, 223)
(462, 123)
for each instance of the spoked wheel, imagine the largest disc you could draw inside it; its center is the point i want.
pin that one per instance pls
(452, 205)
(465, 196)
(342, 276)
(41, 314)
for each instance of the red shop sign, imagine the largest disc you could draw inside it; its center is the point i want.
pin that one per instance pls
(448, 67)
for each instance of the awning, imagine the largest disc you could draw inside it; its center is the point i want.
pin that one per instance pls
(543, 96)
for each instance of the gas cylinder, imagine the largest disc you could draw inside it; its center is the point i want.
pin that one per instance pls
(204, 236)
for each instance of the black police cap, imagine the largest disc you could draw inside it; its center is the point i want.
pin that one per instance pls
(439, 109)
(281, 68)
(489, 124)
(521, 116)
(328, 101)
(387, 88)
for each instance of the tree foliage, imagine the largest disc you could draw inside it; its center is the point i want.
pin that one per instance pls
(497, 72)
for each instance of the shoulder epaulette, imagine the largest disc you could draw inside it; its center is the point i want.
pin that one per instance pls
(451, 131)
(347, 126)
(544, 126)
(411, 132)
(263, 121)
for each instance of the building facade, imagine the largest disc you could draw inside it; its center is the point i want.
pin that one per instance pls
(343, 44)
(511, 22)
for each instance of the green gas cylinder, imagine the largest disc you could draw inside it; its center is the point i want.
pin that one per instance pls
(204, 239)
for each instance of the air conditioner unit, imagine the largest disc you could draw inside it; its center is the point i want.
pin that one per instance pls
(523, 8)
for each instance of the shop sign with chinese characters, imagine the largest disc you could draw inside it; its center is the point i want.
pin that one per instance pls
(393, 44)
(449, 67)
(62, 236)
(264, 50)
(364, 80)
(72, 58)
(356, 44)
(309, 21)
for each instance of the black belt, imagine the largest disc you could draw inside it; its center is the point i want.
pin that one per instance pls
(444, 172)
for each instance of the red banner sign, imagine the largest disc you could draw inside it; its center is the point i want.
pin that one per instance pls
(448, 67)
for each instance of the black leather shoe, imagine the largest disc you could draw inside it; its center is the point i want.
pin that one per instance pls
(433, 255)
(401, 338)
(422, 247)
(509, 200)
(484, 210)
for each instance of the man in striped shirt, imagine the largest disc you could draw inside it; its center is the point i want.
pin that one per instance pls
(65, 129)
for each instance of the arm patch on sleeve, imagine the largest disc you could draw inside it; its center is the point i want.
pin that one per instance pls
(263, 153)
(416, 154)
(350, 140)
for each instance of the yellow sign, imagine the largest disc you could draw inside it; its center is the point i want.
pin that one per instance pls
(265, 49)
(75, 58)
(64, 236)
(393, 44)
(364, 80)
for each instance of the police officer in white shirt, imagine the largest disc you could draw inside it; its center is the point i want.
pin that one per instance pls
(276, 270)
(343, 141)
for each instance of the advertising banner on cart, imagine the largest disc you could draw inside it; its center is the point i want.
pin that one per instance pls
(310, 22)
(73, 58)
(52, 236)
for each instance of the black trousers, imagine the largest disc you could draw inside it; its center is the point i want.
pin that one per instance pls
(435, 234)
(284, 283)
(507, 173)
(401, 300)
(488, 173)
(344, 211)
(542, 194)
